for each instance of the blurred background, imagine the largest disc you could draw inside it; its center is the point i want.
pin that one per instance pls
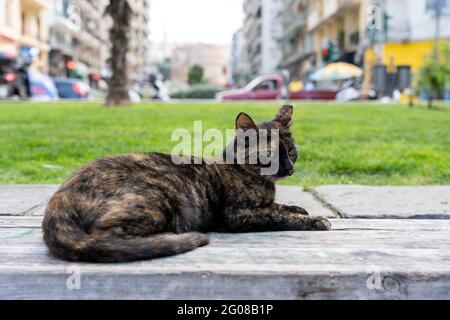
(268, 49)
(369, 80)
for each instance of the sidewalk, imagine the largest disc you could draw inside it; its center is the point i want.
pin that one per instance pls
(386, 243)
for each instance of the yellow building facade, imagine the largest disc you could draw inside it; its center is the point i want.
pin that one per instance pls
(23, 25)
(409, 38)
(395, 54)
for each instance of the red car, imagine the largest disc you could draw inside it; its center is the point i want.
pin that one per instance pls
(271, 87)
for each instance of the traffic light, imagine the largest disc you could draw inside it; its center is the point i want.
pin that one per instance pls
(331, 52)
(326, 54)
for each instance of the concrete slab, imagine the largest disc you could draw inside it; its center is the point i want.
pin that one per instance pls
(358, 259)
(295, 196)
(24, 199)
(363, 202)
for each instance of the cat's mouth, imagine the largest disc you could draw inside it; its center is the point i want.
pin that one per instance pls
(286, 174)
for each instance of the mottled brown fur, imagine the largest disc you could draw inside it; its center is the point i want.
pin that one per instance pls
(141, 206)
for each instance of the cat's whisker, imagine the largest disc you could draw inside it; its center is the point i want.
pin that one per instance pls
(302, 176)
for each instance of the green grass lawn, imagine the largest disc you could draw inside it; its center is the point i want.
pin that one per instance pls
(340, 144)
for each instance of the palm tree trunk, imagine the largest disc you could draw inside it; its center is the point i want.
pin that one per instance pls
(120, 12)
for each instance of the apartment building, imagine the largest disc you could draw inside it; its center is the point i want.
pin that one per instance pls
(139, 57)
(23, 26)
(214, 59)
(240, 68)
(336, 27)
(262, 30)
(368, 33)
(407, 36)
(298, 56)
(78, 38)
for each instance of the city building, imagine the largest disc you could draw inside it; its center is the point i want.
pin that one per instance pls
(407, 34)
(240, 68)
(78, 38)
(139, 61)
(298, 55)
(23, 26)
(336, 27)
(214, 59)
(390, 34)
(262, 30)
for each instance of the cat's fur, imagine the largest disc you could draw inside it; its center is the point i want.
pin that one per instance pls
(141, 206)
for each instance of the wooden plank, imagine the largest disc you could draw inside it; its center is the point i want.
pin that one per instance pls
(20, 222)
(20, 237)
(368, 233)
(224, 286)
(411, 259)
(337, 224)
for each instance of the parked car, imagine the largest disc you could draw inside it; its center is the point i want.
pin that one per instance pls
(70, 88)
(18, 80)
(12, 79)
(41, 86)
(271, 87)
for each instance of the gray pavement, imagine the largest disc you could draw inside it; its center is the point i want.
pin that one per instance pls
(387, 202)
(386, 242)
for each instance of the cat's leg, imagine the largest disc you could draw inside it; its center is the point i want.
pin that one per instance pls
(295, 209)
(272, 218)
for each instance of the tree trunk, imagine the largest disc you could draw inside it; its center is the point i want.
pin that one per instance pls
(430, 103)
(120, 12)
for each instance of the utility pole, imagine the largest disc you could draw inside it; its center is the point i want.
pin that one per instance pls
(437, 7)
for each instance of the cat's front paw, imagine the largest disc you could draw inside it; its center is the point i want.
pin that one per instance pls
(320, 224)
(296, 210)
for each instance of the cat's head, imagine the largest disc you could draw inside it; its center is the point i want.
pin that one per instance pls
(270, 143)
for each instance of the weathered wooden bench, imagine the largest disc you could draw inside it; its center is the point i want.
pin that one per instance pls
(359, 258)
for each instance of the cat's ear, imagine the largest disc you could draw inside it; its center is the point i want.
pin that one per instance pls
(284, 116)
(244, 122)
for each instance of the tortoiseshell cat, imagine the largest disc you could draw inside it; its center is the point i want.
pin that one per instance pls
(140, 206)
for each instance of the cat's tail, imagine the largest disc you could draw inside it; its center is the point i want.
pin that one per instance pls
(68, 241)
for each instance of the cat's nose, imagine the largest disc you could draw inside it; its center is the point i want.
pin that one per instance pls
(291, 171)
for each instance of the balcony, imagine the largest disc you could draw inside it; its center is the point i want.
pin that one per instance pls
(88, 9)
(35, 4)
(64, 25)
(290, 29)
(297, 52)
(251, 7)
(327, 9)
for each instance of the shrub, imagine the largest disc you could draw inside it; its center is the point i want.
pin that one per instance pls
(197, 92)
(434, 76)
(195, 75)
